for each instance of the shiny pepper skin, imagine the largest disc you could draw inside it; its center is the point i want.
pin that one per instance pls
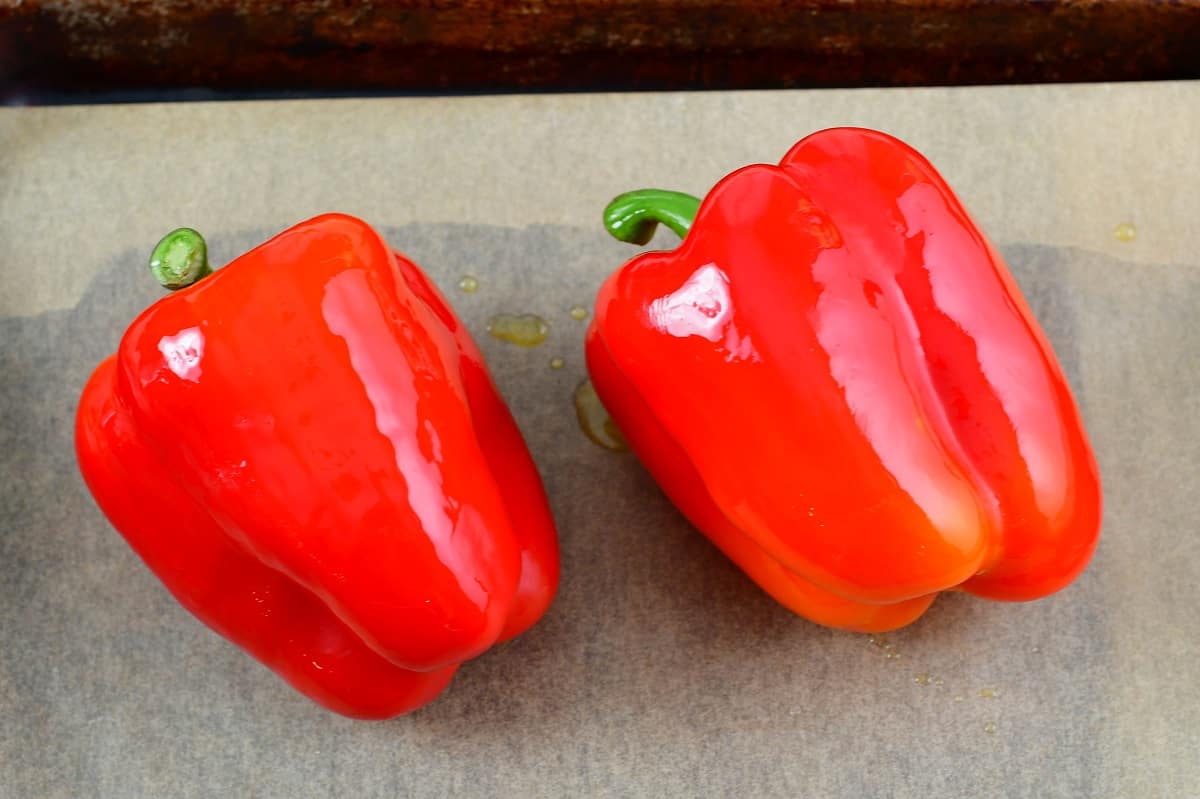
(307, 449)
(837, 380)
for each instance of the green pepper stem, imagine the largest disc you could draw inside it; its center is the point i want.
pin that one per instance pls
(180, 259)
(633, 216)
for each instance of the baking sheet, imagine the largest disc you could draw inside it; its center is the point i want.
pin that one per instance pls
(660, 670)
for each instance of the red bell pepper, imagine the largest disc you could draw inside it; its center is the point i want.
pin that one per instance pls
(837, 380)
(307, 449)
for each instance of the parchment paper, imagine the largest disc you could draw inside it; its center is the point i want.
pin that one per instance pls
(660, 670)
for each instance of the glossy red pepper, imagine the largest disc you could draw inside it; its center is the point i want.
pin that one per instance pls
(307, 449)
(837, 380)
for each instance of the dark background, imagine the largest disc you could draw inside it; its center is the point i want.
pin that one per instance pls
(119, 50)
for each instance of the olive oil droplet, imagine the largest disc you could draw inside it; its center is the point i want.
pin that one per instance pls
(921, 679)
(525, 330)
(1125, 232)
(959, 697)
(557, 362)
(990, 728)
(987, 693)
(578, 313)
(881, 642)
(468, 284)
(594, 420)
